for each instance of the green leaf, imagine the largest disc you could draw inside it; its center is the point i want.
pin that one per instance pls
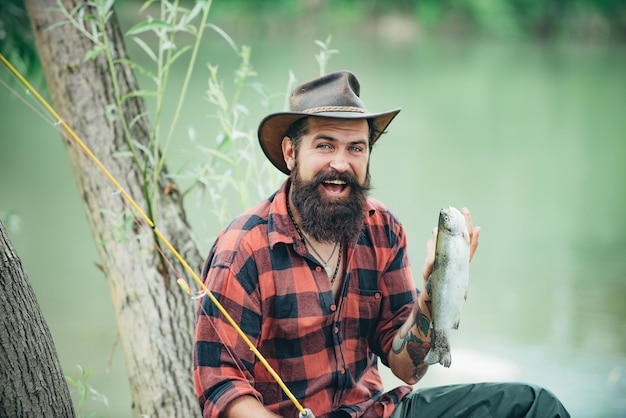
(219, 155)
(138, 117)
(105, 6)
(110, 111)
(122, 154)
(194, 12)
(93, 53)
(179, 53)
(151, 25)
(139, 93)
(190, 29)
(146, 5)
(225, 36)
(146, 151)
(145, 48)
(58, 24)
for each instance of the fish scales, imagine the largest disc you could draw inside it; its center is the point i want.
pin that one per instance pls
(448, 282)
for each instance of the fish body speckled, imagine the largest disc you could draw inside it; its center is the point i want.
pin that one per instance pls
(448, 282)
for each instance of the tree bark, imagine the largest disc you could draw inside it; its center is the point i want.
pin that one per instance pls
(154, 317)
(31, 379)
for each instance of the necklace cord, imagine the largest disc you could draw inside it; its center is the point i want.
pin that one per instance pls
(147, 219)
(307, 241)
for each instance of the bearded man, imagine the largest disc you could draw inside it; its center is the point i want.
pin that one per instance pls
(318, 278)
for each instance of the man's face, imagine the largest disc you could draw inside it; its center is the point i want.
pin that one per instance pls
(330, 173)
(331, 145)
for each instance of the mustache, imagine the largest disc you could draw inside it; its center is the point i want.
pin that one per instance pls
(348, 178)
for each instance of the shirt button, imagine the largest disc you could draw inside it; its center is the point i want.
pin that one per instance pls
(333, 308)
(343, 371)
(377, 295)
(318, 269)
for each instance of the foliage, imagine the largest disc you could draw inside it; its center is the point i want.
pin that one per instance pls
(324, 54)
(532, 19)
(16, 40)
(172, 37)
(574, 19)
(229, 168)
(84, 391)
(230, 163)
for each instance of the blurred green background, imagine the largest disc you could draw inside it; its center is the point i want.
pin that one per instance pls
(514, 109)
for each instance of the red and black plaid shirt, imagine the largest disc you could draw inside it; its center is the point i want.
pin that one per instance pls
(325, 352)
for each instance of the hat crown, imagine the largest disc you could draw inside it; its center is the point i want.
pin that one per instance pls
(335, 92)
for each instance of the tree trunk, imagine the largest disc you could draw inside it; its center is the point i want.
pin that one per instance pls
(154, 317)
(31, 380)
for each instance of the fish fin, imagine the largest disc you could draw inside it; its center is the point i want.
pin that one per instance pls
(466, 236)
(446, 359)
(440, 350)
(432, 357)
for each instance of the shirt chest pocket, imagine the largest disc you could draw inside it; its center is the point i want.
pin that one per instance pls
(362, 309)
(365, 295)
(369, 303)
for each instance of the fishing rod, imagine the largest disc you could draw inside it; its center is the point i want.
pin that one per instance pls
(303, 412)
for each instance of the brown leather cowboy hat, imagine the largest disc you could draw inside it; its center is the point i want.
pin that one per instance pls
(334, 95)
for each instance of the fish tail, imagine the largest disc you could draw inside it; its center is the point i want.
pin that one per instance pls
(440, 349)
(432, 357)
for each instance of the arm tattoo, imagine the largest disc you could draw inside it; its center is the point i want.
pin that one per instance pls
(416, 347)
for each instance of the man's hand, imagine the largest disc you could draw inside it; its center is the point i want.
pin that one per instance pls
(473, 231)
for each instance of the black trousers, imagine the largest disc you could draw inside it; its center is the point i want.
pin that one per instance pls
(481, 400)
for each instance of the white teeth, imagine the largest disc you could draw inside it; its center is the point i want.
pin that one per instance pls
(335, 182)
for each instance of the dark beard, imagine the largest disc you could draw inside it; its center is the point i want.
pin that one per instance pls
(330, 220)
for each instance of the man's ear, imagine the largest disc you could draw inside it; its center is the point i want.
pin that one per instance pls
(289, 152)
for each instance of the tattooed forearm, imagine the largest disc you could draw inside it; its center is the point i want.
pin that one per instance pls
(406, 334)
(400, 340)
(414, 336)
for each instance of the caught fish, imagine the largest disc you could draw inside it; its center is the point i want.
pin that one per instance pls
(447, 284)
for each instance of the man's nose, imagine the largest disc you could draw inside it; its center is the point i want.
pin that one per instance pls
(339, 162)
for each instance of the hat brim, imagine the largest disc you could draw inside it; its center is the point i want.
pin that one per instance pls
(274, 127)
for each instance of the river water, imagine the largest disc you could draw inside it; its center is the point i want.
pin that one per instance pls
(532, 138)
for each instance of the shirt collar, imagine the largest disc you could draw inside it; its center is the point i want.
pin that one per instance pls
(281, 229)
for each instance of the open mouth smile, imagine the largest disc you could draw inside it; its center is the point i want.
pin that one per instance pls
(335, 187)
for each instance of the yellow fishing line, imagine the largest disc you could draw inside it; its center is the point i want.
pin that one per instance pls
(145, 217)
